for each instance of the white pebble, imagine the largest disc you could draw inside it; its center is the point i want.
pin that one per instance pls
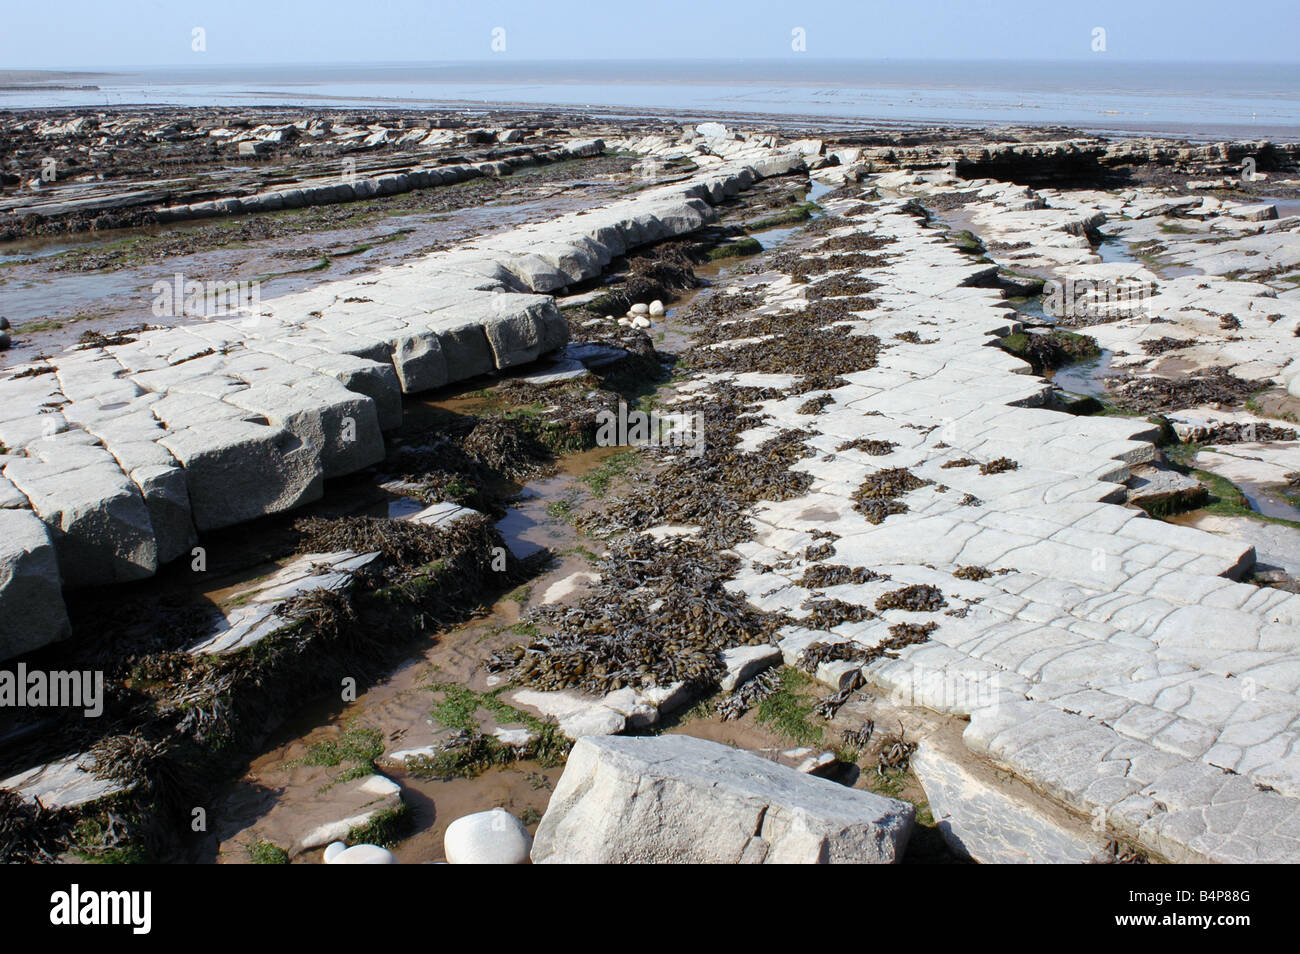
(336, 853)
(333, 849)
(487, 838)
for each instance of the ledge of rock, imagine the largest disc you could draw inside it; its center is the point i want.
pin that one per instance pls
(359, 802)
(674, 798)
(989, 824)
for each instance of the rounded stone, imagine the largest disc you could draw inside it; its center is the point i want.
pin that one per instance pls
(487, 838)
(5, 341)
(359, 855)
(656, 307)
(640, 309)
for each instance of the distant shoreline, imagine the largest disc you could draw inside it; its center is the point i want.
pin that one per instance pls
(38, 87)
(1101, 97)
(787, 120)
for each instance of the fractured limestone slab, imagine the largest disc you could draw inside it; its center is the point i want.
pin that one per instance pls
(189, 429)
(988, 824)
(101, 527)
(237, 471)
(31, 600)
(676, 799)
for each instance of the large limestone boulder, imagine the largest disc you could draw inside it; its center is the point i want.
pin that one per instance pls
(523, 327)
(673, 798)
(239, 470)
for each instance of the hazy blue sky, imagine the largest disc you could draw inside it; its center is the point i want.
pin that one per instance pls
(75, 34)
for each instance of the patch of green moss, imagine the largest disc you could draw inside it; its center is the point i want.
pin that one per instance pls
(357, 744)
(737, 249)
(792, 216)
(384, 829)
(611, 467)
(788, 710)
(267, 853)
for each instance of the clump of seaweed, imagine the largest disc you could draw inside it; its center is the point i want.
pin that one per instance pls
(877, 497)
(915, 598)
(869, 446)
(891, 482)
(1236, 432)
(1214, 385)
(1158, 346)
(815, 654)
(842, 286)
(856, 242)
(749, 694)
(97, 339)
(713, 489)
(876, 509)
(815, 405)
(974, 573)
(901, 635)
(834, 574)
(999, 465)
(831, 612)
(30, 833)
(895, 754)
(860, 737)
(659, 272)
(907, 634)
(469, 753)
(832, 351)
(659, 615)
(819, 552)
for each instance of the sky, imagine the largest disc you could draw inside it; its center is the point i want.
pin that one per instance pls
(97, 34)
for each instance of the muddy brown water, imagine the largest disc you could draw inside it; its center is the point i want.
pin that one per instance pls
(277, 800)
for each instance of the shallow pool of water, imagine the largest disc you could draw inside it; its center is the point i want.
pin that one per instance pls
(1114, 249)
(1268, 500)
(1286, 207)
(1087, 377)
(1031, 312)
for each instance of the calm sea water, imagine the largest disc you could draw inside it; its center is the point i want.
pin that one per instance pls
(1194, 100)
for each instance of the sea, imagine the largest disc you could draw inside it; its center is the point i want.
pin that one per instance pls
(1100, 95)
